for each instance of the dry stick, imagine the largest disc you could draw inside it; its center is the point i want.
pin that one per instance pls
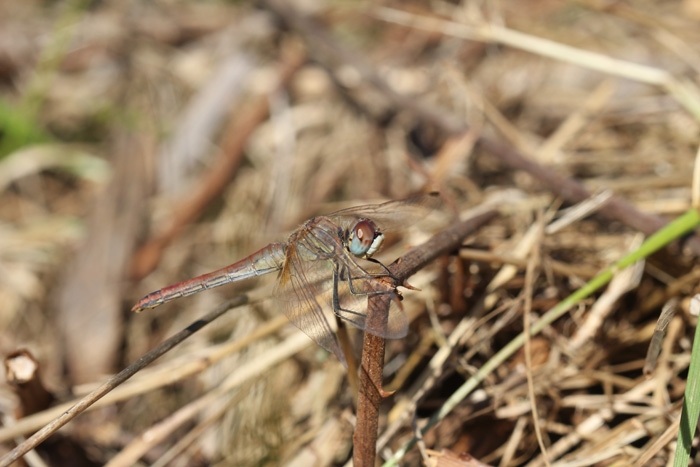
(371, 392)
(118, 379)
(24, 377)
(327, 51)
(528, 292)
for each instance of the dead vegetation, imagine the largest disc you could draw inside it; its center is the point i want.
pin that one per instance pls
(146, 143)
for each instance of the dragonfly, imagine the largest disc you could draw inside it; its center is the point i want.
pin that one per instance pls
(325, 266)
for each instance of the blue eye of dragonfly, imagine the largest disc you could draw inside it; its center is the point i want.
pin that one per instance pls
(365, 239)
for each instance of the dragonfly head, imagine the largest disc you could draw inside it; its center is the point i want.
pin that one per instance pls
(365, 239)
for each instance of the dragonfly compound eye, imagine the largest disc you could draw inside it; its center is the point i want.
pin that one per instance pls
(365, 239)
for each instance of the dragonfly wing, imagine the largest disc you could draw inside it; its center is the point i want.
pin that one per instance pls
(390, 216)
(299, 288)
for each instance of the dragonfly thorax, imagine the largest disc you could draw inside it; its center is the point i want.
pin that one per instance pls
(364, 239)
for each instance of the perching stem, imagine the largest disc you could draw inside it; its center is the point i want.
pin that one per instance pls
(371, 392)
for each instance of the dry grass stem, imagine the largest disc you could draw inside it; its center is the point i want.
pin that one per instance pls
(621, 284)
(530, 276)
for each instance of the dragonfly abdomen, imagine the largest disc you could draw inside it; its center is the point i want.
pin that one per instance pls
(266, 260)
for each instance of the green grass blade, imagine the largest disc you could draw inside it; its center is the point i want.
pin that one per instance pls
(691, 407)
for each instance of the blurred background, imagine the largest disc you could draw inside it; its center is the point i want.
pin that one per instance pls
(144, 143)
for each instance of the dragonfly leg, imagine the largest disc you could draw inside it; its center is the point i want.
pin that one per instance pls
(386, 274)
(337, 309)
(346, 276)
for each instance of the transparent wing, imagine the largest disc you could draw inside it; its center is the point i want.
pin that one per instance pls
(390, 216)
(298, 290)
(310, 288)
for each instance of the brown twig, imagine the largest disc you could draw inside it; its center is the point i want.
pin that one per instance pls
(38, 437)
(23, 375)
(371, 392)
